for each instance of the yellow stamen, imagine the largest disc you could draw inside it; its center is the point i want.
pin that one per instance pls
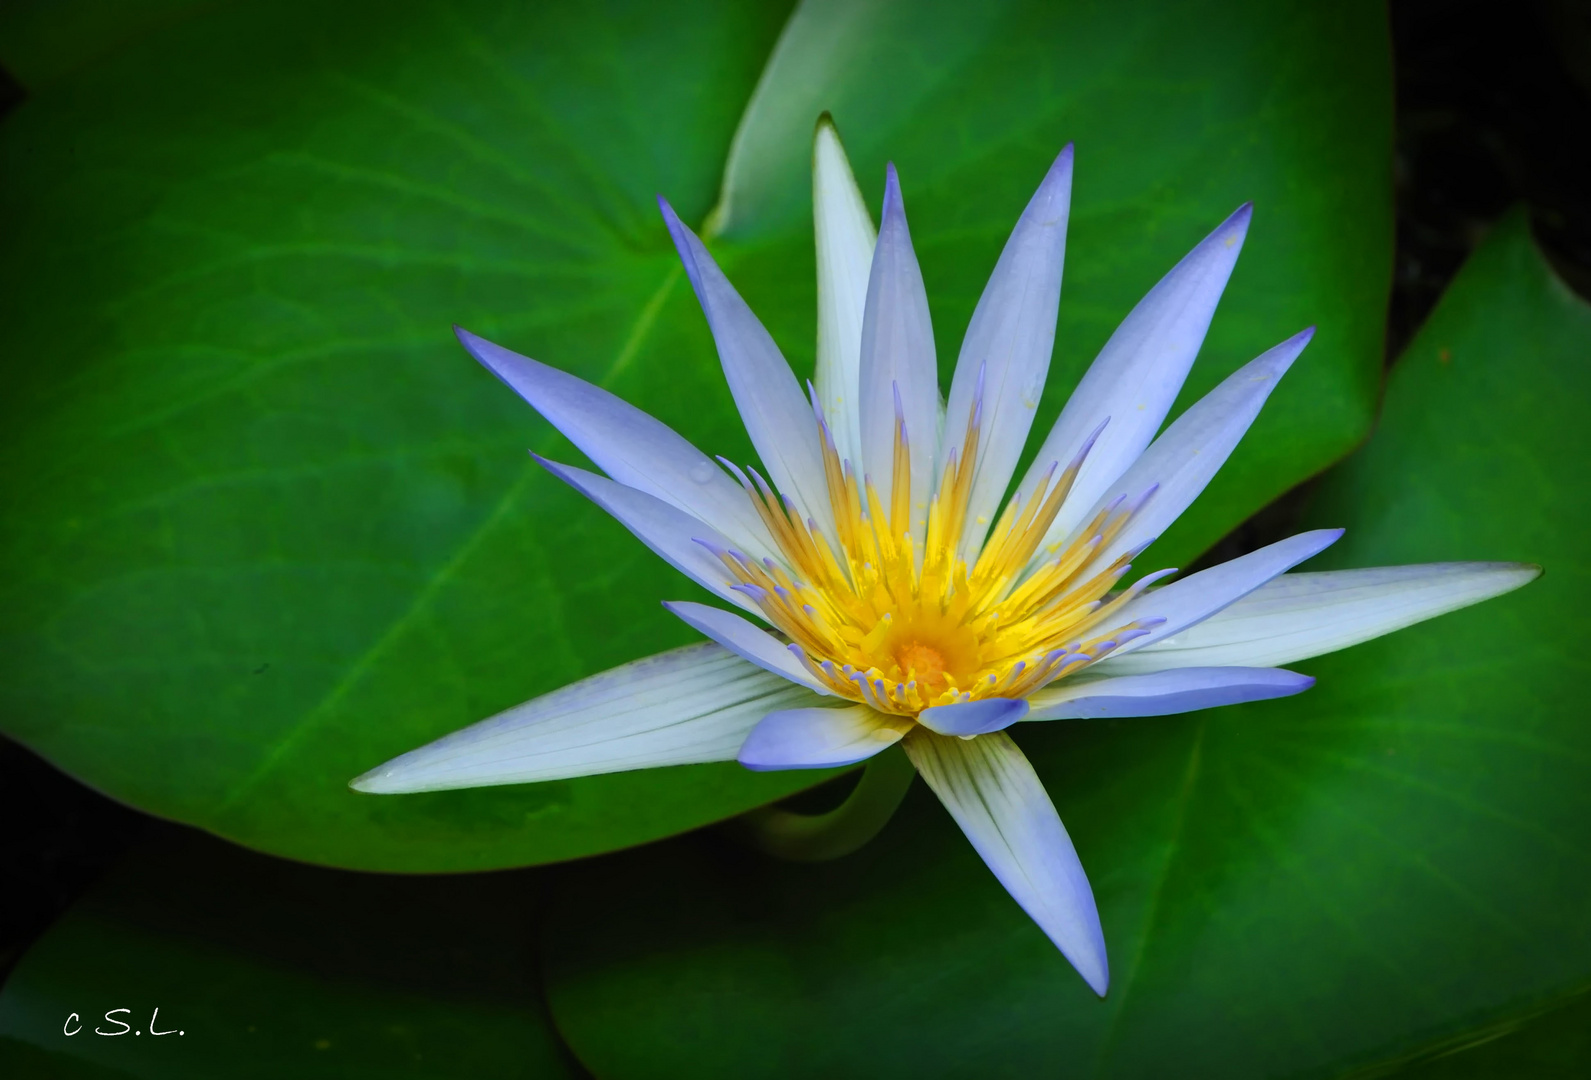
(900, 622)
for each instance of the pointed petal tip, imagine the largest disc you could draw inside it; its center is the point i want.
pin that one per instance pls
(1234, 230)
(1230, 234)
(378, 781)
(1514, 576)
(521, 374)
(1099, 982)
(686, 244)
(480, 348)
(1318, 540)
(676, 227)
(678, 231)
(892, 215)
(473, 344)
(1053, 198)
(1093, 965)
(828, 151)
(1279, 358)
(558, 469)
(1062, 165)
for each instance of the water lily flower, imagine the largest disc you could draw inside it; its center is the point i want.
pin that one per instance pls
(898, 600)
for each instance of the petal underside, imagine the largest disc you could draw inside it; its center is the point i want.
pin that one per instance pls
(686, 706)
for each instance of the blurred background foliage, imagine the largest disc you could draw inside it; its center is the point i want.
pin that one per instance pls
(266, 526)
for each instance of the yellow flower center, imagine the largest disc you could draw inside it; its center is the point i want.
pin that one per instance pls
(899, 620)
(924, 663)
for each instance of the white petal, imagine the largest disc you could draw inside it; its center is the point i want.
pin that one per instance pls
(1196, 597)
(1007, 348)
(1163, 692)
(898, 366)
(777, 415)
(1179, 464)
(682, 707)
(1296, 616)
(968, 718)
(845, 238)
(672, 534)
(746, 640)
(996, 798)
(1138, 373)
(632, 447)
(817, 738)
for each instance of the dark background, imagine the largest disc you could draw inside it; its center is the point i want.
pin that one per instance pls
(1493, 108)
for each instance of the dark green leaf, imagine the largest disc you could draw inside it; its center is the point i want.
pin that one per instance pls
(268, 527)
(266, 968)
(1396, 859)
(1546, 1041)
(25, 1059)
(45, 40)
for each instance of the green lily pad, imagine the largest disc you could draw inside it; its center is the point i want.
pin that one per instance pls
(267, 526)
(1393, 862)
(227, 963)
